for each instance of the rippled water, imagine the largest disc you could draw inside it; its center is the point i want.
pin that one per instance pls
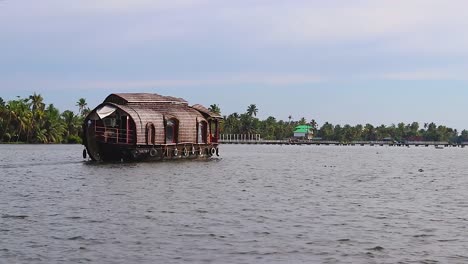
(256, 204)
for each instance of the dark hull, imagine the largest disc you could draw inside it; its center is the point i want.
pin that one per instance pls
(117, 152)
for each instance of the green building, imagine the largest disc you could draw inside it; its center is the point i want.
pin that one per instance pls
(304, 132)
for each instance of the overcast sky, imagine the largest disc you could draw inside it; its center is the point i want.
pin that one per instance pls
(353, 61)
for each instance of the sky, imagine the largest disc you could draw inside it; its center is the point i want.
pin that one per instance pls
(346, 62)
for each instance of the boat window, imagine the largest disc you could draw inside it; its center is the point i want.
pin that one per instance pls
(110, 122)
(150, 134)
(202, 132)
(171, 131)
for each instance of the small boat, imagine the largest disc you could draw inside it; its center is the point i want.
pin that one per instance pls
(144, 126)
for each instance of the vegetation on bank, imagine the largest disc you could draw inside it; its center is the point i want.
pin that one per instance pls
(273, 129)
(30, 120)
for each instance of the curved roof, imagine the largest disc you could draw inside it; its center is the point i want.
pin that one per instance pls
(138, 98)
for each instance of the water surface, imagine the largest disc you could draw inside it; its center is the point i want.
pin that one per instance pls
(255, 204)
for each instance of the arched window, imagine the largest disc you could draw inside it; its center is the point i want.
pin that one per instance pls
(172, 131)
(202, 126)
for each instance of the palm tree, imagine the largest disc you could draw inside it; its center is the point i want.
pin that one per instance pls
(37, 108)
(24, 122)
(55, 131)
(248, 124)
(81, 106)
(214, 108)
(3, 115)
(41, 136)
(326, 131)
(72, 122)
(414, 129)
(36, 102)
(369, 132)
(313, 124)
(252, 110)
(7, 117)
(19, 117)
(54, 125)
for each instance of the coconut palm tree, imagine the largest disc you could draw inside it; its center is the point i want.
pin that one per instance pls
(313, 124)
(54, 125)
(37, 107)
(36, 102)
(71, 121)
(41, 136)
(7, 117)
(18, 117)
(214, 108)
(252, 110)
(247, 124)
(3, 118)
(82, 106)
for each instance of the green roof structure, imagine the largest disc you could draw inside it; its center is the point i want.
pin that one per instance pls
(302, 129)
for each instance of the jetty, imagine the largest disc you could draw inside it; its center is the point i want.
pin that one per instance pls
(255, 139)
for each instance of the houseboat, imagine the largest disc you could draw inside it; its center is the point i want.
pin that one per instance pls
(144, 126)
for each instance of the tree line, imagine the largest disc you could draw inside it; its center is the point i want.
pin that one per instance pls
(30, 120)
(273, 129)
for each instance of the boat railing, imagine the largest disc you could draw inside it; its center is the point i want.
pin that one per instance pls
(114, 135)
(214, 139)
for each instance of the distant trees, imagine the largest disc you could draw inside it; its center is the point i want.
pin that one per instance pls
(272, 128)
(30, 120)
(401, 132)
(248, 123)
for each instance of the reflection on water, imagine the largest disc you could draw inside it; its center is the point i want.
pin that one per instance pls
(255, 204)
